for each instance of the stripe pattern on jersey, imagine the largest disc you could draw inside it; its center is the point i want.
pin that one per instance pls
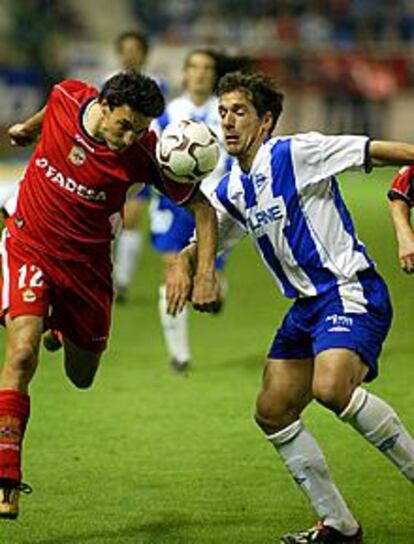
(299, 222)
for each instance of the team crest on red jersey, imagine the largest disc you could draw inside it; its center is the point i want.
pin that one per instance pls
(28, 295)
(77, 155)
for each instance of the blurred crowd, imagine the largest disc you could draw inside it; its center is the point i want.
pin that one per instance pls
(339, 23)
(357, 54)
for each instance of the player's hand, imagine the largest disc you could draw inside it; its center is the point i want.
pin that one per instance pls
(406, 255)
(206, 292)
(20, 136)
(178, 285)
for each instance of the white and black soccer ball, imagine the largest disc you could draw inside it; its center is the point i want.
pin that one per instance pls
(188, 151)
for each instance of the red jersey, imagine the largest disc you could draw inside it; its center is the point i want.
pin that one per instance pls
(402, 186)
(74, 187)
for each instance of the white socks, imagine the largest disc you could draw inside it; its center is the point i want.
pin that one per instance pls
(128, 249)
(381, 426)
(175, 330)
(306, 463)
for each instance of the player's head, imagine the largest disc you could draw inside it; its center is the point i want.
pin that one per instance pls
(200, 72)
(132, 49)
(249, 107)
(129, 102)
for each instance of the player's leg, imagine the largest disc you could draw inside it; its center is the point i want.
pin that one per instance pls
(171, 228)
(175, 328)
(286, 391)
(25, 299)
(348, 346)
(82, 315)
(80, 365)
(129, 245)
(337, 379)
(22, 348)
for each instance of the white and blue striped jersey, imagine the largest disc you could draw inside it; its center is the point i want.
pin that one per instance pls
(182, 108)
(290, 204)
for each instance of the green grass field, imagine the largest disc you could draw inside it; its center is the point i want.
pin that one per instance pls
(150, 457)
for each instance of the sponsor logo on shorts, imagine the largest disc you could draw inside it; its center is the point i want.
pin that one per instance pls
(68, 184)
(77, 155)
(28, 295)
(340, 323)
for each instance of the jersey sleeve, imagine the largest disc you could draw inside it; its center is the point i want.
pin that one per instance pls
(230, 228)
(402, 186)
(317, 157)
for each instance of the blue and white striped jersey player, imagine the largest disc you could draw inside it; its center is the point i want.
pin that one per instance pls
(283, 193)
(172, 226)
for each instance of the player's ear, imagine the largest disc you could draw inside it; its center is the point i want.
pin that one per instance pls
(105, 106)
(267, 122)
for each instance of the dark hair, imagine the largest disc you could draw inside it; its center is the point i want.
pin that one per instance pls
(133, 35)
(137, 90)
(260, 90)
(223, 63)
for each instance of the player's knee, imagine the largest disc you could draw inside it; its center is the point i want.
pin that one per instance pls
(273, 413)
(332, 393)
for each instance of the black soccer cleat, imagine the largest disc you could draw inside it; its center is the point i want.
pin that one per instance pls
(9, 497)
(323, 534)
(182, 367)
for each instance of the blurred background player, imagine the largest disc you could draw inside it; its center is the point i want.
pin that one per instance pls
(132, 49)
(401, 197)
(171, 226)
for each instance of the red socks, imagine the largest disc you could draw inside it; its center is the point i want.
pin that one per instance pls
(14, 413)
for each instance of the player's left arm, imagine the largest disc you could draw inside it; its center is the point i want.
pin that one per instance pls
(26, 133)
(401, 217)
(386, 153)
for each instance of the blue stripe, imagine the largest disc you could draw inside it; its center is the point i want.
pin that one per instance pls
(268, 252)
(249, 192)
(229, 163)
(199, 117)
(222, 195)
(163, 120)
(376, 293)
(347, 221)
(297, 231)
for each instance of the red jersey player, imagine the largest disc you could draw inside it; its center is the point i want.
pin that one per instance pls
(401, 196)
(56, 248)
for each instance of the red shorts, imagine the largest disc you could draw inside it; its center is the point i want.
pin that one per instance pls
(74, 297)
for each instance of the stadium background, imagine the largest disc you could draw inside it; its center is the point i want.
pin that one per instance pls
(152, 457)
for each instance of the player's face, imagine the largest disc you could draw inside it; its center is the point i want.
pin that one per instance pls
(131, 54)
(200, 74)
(244, 131)
(122, 126)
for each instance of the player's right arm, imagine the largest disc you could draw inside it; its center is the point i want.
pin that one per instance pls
(26, 133)
(400, 198)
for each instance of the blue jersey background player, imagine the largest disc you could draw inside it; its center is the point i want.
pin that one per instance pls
(171, 226)
(282, 192)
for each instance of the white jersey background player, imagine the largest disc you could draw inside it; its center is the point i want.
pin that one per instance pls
(282, 192)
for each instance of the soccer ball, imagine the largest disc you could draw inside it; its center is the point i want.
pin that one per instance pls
(187, 151)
